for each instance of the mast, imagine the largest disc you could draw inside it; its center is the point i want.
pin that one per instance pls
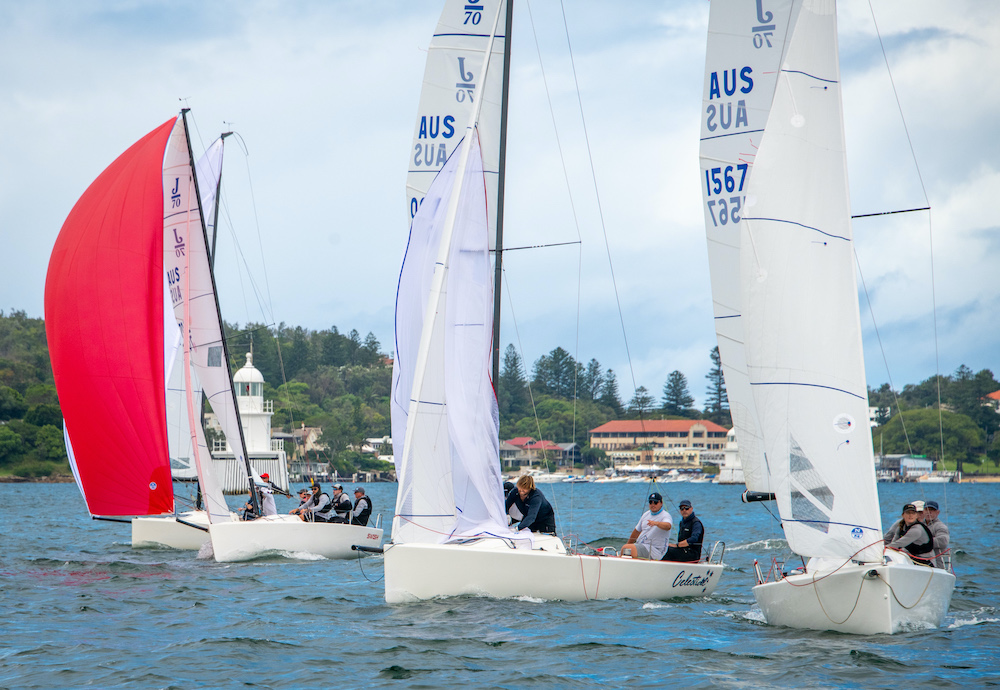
(225, 348)
(498, 255)
(215, 213)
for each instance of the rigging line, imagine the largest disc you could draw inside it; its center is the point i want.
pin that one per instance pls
(930, 231)
(597, 195)
(890, 213)
(537, 246)
(885, 359)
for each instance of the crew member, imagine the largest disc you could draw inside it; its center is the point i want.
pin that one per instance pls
(651, 534)
(690, 536)
(914, 536)
(538, 514)
(362, 508)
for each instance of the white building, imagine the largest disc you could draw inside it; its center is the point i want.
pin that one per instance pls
(266, 455)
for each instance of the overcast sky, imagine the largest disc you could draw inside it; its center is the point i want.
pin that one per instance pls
(324, 94)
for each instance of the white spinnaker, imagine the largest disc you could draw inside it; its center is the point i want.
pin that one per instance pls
(194, 303)
(73, 467)
(453, 85)
(744, 51)
(209, 170)
(802, 325)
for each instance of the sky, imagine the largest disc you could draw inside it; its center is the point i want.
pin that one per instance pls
(602, 150)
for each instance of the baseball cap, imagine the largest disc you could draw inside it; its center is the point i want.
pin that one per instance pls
(684, 504)
(655, 497)
(919, 505)
(338, 486)
(932, 504)
(909, 506)
(265, 475)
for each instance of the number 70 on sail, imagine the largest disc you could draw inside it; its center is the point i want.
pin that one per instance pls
(720, 181)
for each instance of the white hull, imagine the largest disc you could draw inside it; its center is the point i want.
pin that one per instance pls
(167, 531)
(862, 599)
(489, 567)
(242, 541)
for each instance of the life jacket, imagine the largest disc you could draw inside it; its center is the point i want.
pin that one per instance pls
(325, 509)
(362, 517)
(918, 549)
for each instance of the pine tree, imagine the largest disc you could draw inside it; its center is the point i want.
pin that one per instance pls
(641, 403)
(512, 390)
(717, 407)
(677, 400)
(609, 393)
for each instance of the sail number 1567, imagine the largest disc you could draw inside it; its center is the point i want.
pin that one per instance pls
(719, 181)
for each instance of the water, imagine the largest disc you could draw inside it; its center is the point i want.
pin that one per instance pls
(80, 607)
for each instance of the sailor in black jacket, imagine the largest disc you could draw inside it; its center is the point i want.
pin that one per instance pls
(538, 514)
(690, 536)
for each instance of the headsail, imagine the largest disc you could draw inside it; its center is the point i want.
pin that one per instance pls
(800, 312)
(104, 319)
(744, 51)
(445, 421)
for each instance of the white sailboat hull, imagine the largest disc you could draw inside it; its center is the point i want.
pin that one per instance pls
(490, 567)
(167, 531)
(865, 599)
(242, 541)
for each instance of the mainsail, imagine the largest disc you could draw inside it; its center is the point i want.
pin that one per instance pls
(455, 83)
(196, 313)
(744, 51)
(798, 299)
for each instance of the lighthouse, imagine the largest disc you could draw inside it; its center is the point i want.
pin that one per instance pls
(266, 455)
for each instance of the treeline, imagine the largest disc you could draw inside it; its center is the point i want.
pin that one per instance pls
(908, 420)
(557, 380)
(31, 437)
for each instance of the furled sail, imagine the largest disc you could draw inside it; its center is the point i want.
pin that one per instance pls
(745, 44)
(800, 312)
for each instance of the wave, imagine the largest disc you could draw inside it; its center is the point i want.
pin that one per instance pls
(762, 545)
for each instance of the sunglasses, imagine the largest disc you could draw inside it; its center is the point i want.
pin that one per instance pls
(652, 502)
(685, 507)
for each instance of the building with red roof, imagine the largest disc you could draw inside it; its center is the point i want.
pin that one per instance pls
(665, 442)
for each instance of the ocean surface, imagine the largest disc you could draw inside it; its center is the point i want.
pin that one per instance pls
(81, 608)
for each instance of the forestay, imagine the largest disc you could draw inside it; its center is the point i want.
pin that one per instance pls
(744, 51)
(800, 314)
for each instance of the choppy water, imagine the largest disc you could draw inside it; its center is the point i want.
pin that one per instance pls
(80, 607)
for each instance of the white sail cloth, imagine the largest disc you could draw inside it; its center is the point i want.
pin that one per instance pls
(445, 424)
(454, 85)
(192, 293)
(801, 321)
(741, 65)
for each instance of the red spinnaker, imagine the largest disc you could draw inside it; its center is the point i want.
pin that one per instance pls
(104, 322)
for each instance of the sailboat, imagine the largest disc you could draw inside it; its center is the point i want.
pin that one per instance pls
(450, 534)
(777, 214)
(130, 283)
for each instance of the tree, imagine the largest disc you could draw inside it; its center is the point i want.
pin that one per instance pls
(641, 403)
(10, 444)
(717, 405)
(591, 381)
(512, 389)
(555, 373)
(963, 440)
(609, 393)
(677, 400)
(883, 400)
(12, 405)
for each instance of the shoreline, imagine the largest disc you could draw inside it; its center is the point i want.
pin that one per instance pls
(53, 479)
